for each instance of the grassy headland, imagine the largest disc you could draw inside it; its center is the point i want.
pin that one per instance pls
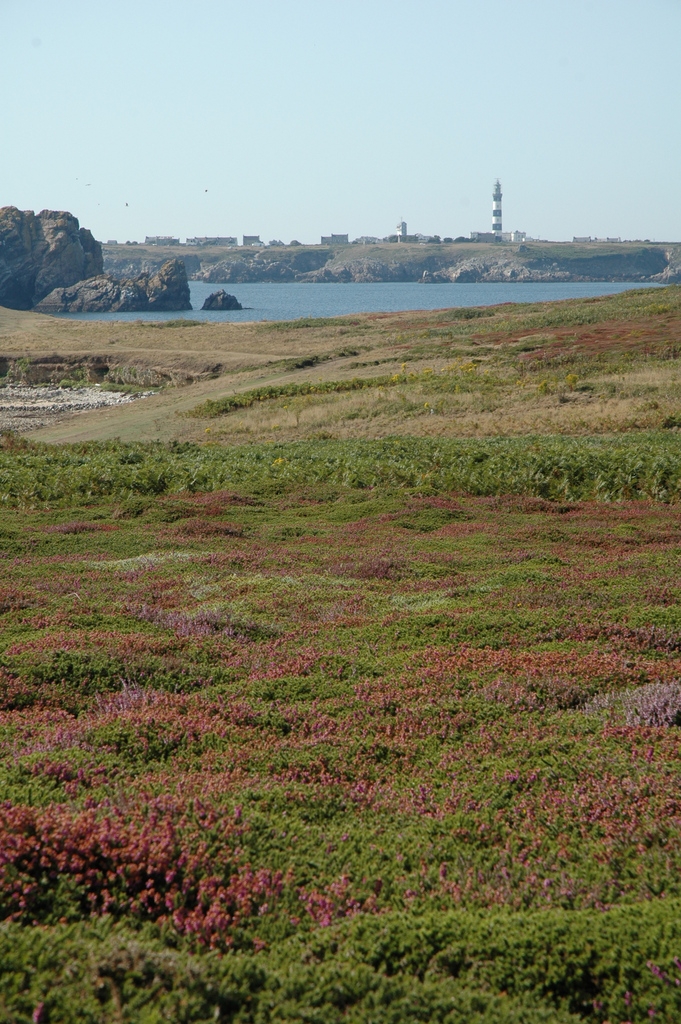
(466, 261)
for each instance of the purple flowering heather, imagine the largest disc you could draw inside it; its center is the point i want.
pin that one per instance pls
(657, 705)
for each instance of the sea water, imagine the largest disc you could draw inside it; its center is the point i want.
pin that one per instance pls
(291, 301)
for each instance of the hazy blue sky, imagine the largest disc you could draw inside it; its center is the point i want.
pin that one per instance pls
(302, 117)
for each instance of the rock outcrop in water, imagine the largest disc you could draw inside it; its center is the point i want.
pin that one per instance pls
(168, 289)
(221, 300)
(40, 252)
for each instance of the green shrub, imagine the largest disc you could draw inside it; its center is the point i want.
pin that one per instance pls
(504, 968)
(646, 465)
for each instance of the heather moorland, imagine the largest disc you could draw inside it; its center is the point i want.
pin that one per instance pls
(356, 723)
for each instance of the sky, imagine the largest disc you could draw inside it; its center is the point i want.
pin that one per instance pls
(297, 118)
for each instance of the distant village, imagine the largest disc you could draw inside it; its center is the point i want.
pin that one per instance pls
(401, 234)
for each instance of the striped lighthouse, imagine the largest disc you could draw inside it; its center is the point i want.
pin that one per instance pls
(496, 209)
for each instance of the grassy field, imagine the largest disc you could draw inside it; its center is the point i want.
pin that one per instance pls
(371, 727)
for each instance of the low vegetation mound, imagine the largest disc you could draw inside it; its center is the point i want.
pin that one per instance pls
(560, 468)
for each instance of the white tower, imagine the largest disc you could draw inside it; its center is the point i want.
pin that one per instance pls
(496, 209)
(402, 230)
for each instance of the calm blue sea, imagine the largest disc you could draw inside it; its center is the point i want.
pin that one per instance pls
(290, 301)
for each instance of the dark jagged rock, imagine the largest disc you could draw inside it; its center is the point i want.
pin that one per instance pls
(40, 252)
(102, 294)
(221, 300)
(169, 288)
(166, 290)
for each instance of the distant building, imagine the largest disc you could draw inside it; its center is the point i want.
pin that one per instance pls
(335, 240)
(161, 240)
(212, 240)
(252, 240)
(111, 241)
(588, 238)
(498, 236)
(402, 230)
(418, 237)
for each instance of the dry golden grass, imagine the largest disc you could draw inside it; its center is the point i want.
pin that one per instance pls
(640, 400)
(185, 352)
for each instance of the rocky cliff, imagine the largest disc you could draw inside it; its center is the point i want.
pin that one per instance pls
(40, 252)
(462, 262)
(125, 261)
(168, 289)
(527, 264)
(672, 272)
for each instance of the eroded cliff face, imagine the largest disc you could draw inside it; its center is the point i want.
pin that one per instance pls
(168, 289)
(672, 272)
(462, 263)
(40, 252)
(128, 264)
(277, 265)
(500, 264)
